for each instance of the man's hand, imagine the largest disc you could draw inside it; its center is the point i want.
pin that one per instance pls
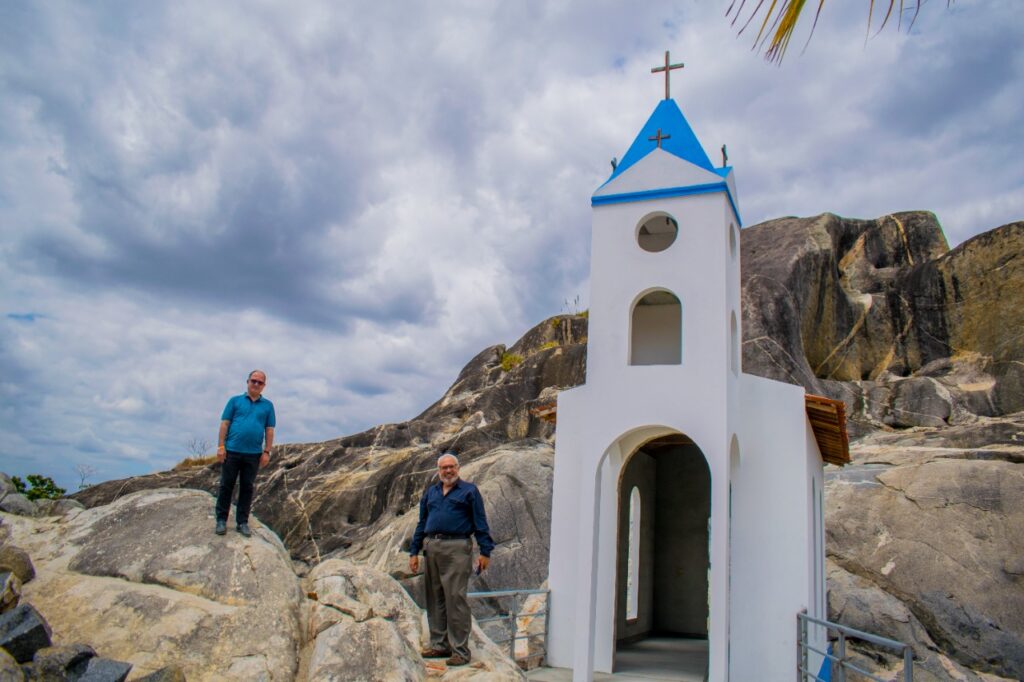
(481, 563)
(264, 459)
(414, 563)
(221, 453)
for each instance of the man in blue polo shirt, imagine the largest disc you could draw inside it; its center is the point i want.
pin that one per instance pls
(451, 512)
(243, 446)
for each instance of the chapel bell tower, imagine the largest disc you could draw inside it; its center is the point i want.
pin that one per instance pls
(677, 477)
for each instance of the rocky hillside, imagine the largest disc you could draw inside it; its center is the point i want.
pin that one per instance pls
(882, 314)
(144, 580)
(923, 344)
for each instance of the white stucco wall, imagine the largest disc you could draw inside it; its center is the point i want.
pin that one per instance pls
(771, 525)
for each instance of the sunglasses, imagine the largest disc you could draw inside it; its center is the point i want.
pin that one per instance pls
(256, 381)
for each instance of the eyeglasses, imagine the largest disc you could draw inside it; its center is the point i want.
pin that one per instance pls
(256, 381)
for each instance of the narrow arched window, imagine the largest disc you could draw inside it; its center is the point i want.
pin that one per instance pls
(656, 336)
(734, 344)
(633, 561)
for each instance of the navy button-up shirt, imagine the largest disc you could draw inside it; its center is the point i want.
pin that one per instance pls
(460, 512)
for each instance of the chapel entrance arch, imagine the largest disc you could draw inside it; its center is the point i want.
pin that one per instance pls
(663, 556)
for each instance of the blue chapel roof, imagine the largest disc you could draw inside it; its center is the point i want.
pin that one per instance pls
(680, 141)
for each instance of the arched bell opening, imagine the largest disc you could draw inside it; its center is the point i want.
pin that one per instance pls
(656, 329)
(656, 232)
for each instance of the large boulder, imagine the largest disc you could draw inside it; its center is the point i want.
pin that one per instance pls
(145, 580)
(23, 631)
(60, 662)
(10, 591)
(16, 503)
(58, 507)
(363, 626)
(941, 529)
(15, 560)
(881, 314)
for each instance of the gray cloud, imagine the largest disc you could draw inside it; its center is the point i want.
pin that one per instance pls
(360, 198)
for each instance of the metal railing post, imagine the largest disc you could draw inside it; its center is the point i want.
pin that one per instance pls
(512, 619)
(547, 623)
(841, 655)
(514, 613)
(839, 664)
(801, 647)
(799, 625)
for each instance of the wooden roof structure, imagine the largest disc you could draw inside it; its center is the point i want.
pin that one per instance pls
(547, 411)
(828, 421)
(826, 416)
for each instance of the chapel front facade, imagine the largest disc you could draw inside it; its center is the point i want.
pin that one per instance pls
(687, 494)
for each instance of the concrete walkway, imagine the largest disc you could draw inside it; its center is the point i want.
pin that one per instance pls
(657, 658)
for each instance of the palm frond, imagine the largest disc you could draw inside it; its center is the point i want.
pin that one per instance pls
(780, 18)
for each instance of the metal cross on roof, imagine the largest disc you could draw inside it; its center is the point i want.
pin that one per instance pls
(659, 137)
(667, 69)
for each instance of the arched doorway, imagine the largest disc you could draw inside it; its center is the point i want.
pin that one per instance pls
(663, 562)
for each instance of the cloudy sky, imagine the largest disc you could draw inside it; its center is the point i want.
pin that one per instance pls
(358, 197)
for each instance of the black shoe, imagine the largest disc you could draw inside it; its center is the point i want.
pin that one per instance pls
(436, 653)
(243, 528)
(222, 527)
(457, 660)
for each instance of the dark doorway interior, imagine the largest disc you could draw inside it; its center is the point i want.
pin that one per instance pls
(664, 510)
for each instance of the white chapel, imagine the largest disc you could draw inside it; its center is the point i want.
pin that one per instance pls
(687, 494)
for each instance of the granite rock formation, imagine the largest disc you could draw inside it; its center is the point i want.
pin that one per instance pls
(922, 343)
(144, 579)
(882, 315)
(361, 625)
(932, 524)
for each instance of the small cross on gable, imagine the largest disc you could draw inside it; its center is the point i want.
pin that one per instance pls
(659, 137)
(667, 69)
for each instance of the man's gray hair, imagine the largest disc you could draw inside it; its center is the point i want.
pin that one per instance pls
(257, 370)
(448, 454)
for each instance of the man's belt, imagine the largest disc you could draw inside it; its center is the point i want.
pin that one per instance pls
(448, 536)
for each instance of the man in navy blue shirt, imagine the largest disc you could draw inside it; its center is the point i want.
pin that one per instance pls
(243, 446)
(451, 514)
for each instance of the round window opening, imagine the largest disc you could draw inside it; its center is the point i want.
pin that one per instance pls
(657, 233)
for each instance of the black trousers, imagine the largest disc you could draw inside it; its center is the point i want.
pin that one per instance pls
(244, 468)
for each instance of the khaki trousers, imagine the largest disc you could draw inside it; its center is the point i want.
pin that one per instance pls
(446, 575)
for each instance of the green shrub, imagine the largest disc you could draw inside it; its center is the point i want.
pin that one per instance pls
(550, 344)
(39, 487)
(510, 360)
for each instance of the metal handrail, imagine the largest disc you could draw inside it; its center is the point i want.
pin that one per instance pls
(513, 615)
(839, 663)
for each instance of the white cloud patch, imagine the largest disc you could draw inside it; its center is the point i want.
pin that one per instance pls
(358, 199)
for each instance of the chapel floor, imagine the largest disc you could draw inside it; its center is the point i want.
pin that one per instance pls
(656, 658)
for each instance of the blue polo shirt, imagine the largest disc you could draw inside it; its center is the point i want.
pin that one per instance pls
(460, 512)
(249, 421)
